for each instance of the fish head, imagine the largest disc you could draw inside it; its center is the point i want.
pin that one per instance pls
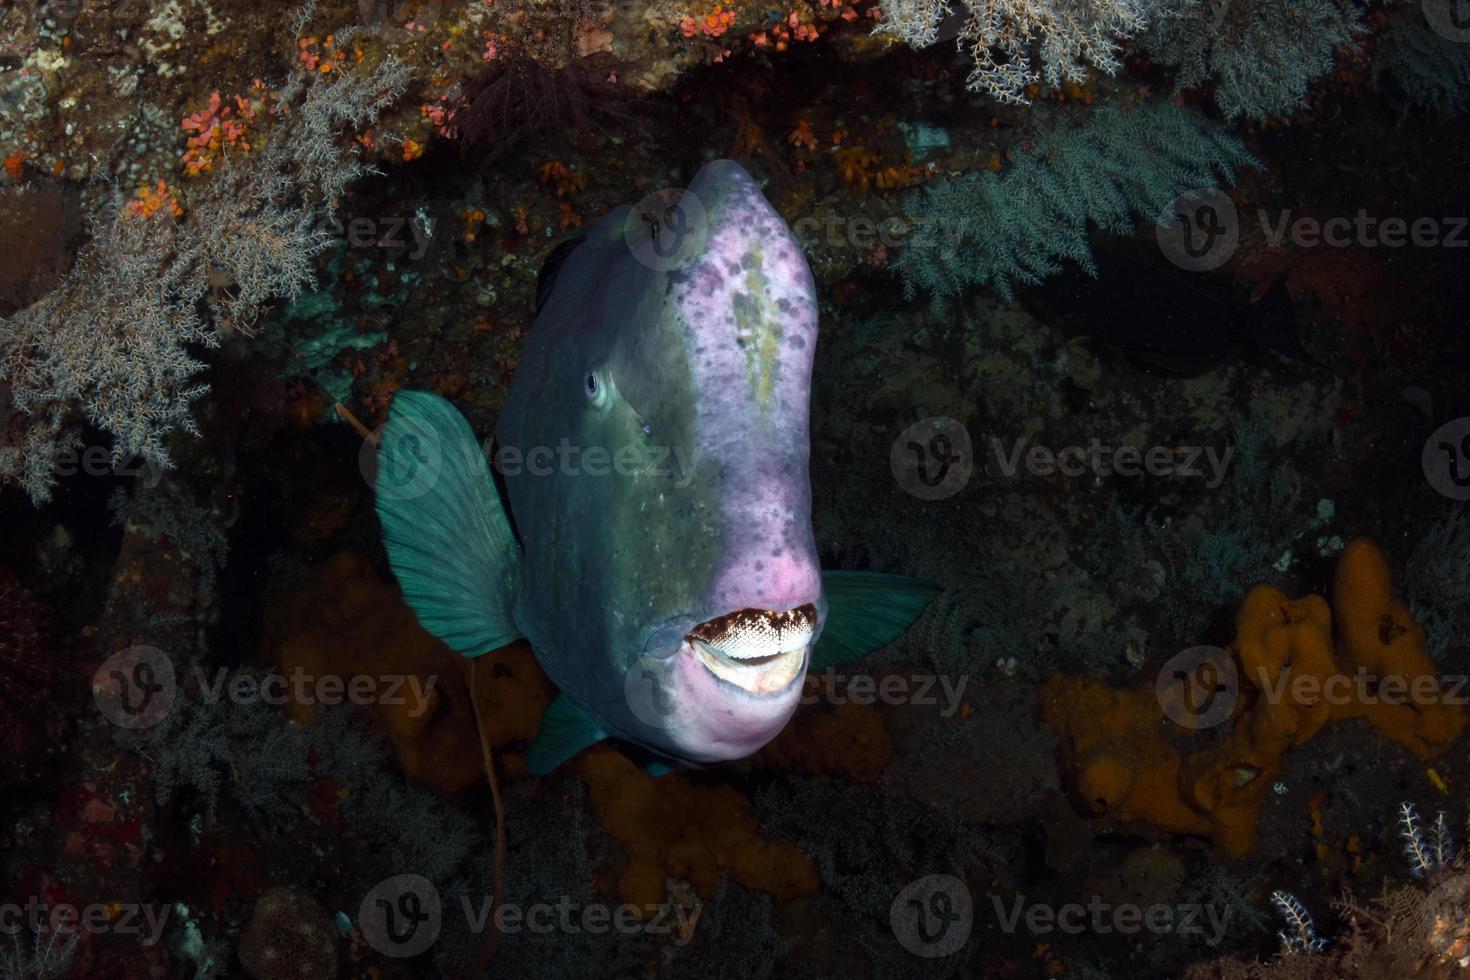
(659, 414)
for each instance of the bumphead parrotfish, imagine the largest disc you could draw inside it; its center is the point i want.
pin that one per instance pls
(654, 453)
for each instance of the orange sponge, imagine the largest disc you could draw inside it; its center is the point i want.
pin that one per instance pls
(1114, 751)
(1280, 641)
(1382, 649)
(344, 622)
(1293, 680)
(671, 828)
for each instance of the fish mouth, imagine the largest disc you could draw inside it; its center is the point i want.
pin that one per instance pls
(760, 651)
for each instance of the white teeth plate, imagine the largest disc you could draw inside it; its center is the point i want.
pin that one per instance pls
(757, 641)
(757, 673)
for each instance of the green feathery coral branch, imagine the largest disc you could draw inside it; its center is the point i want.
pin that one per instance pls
(988, 229)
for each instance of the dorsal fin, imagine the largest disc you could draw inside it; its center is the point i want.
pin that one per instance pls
(546, 275)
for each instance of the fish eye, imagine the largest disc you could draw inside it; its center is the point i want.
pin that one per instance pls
(597, 387)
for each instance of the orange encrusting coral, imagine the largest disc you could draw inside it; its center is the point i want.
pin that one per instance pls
(152, 200)
(671, 828)
(1294, 680)
(344, 622)
(860, 167)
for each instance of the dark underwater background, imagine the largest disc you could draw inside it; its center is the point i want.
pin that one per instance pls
(1145, 330)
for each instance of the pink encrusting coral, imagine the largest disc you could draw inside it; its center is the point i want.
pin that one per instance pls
(713, 24)
(219, 124)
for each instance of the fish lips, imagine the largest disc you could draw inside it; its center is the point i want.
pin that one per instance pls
(761, 652)
(753, 651)
(724, 687)
(727, 711)
(763, 677)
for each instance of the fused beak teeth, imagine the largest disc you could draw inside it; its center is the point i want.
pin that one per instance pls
(759, 650)
(757, 674)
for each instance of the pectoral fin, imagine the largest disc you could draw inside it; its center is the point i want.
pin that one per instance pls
(566, 729)
(446, 533)
(866, 611)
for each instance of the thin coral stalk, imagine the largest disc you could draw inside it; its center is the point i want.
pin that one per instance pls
(488, 950)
